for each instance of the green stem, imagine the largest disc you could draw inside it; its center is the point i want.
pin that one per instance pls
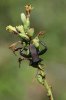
(48, 88)
(41, 77)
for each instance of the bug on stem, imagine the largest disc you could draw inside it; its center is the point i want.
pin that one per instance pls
(29, 48)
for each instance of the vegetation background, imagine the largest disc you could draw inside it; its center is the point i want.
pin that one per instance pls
(18, 84)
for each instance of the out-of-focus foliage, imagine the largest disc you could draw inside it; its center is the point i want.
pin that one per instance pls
(47, 15)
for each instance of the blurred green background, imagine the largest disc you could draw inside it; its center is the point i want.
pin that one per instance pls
(20, 84)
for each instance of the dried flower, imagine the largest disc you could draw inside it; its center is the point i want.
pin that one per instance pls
(28, 9)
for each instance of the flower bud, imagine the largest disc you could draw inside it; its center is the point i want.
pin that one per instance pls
(24, 36)
(30, 32)
(27, 24)
(20, 29)
(36, 42)
(11, 29)
(23, 18)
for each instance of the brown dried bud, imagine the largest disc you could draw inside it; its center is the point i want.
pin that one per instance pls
(13, 46)
(28, 9)
(41, 33)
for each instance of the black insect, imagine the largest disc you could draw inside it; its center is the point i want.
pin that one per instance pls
(34, 54)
